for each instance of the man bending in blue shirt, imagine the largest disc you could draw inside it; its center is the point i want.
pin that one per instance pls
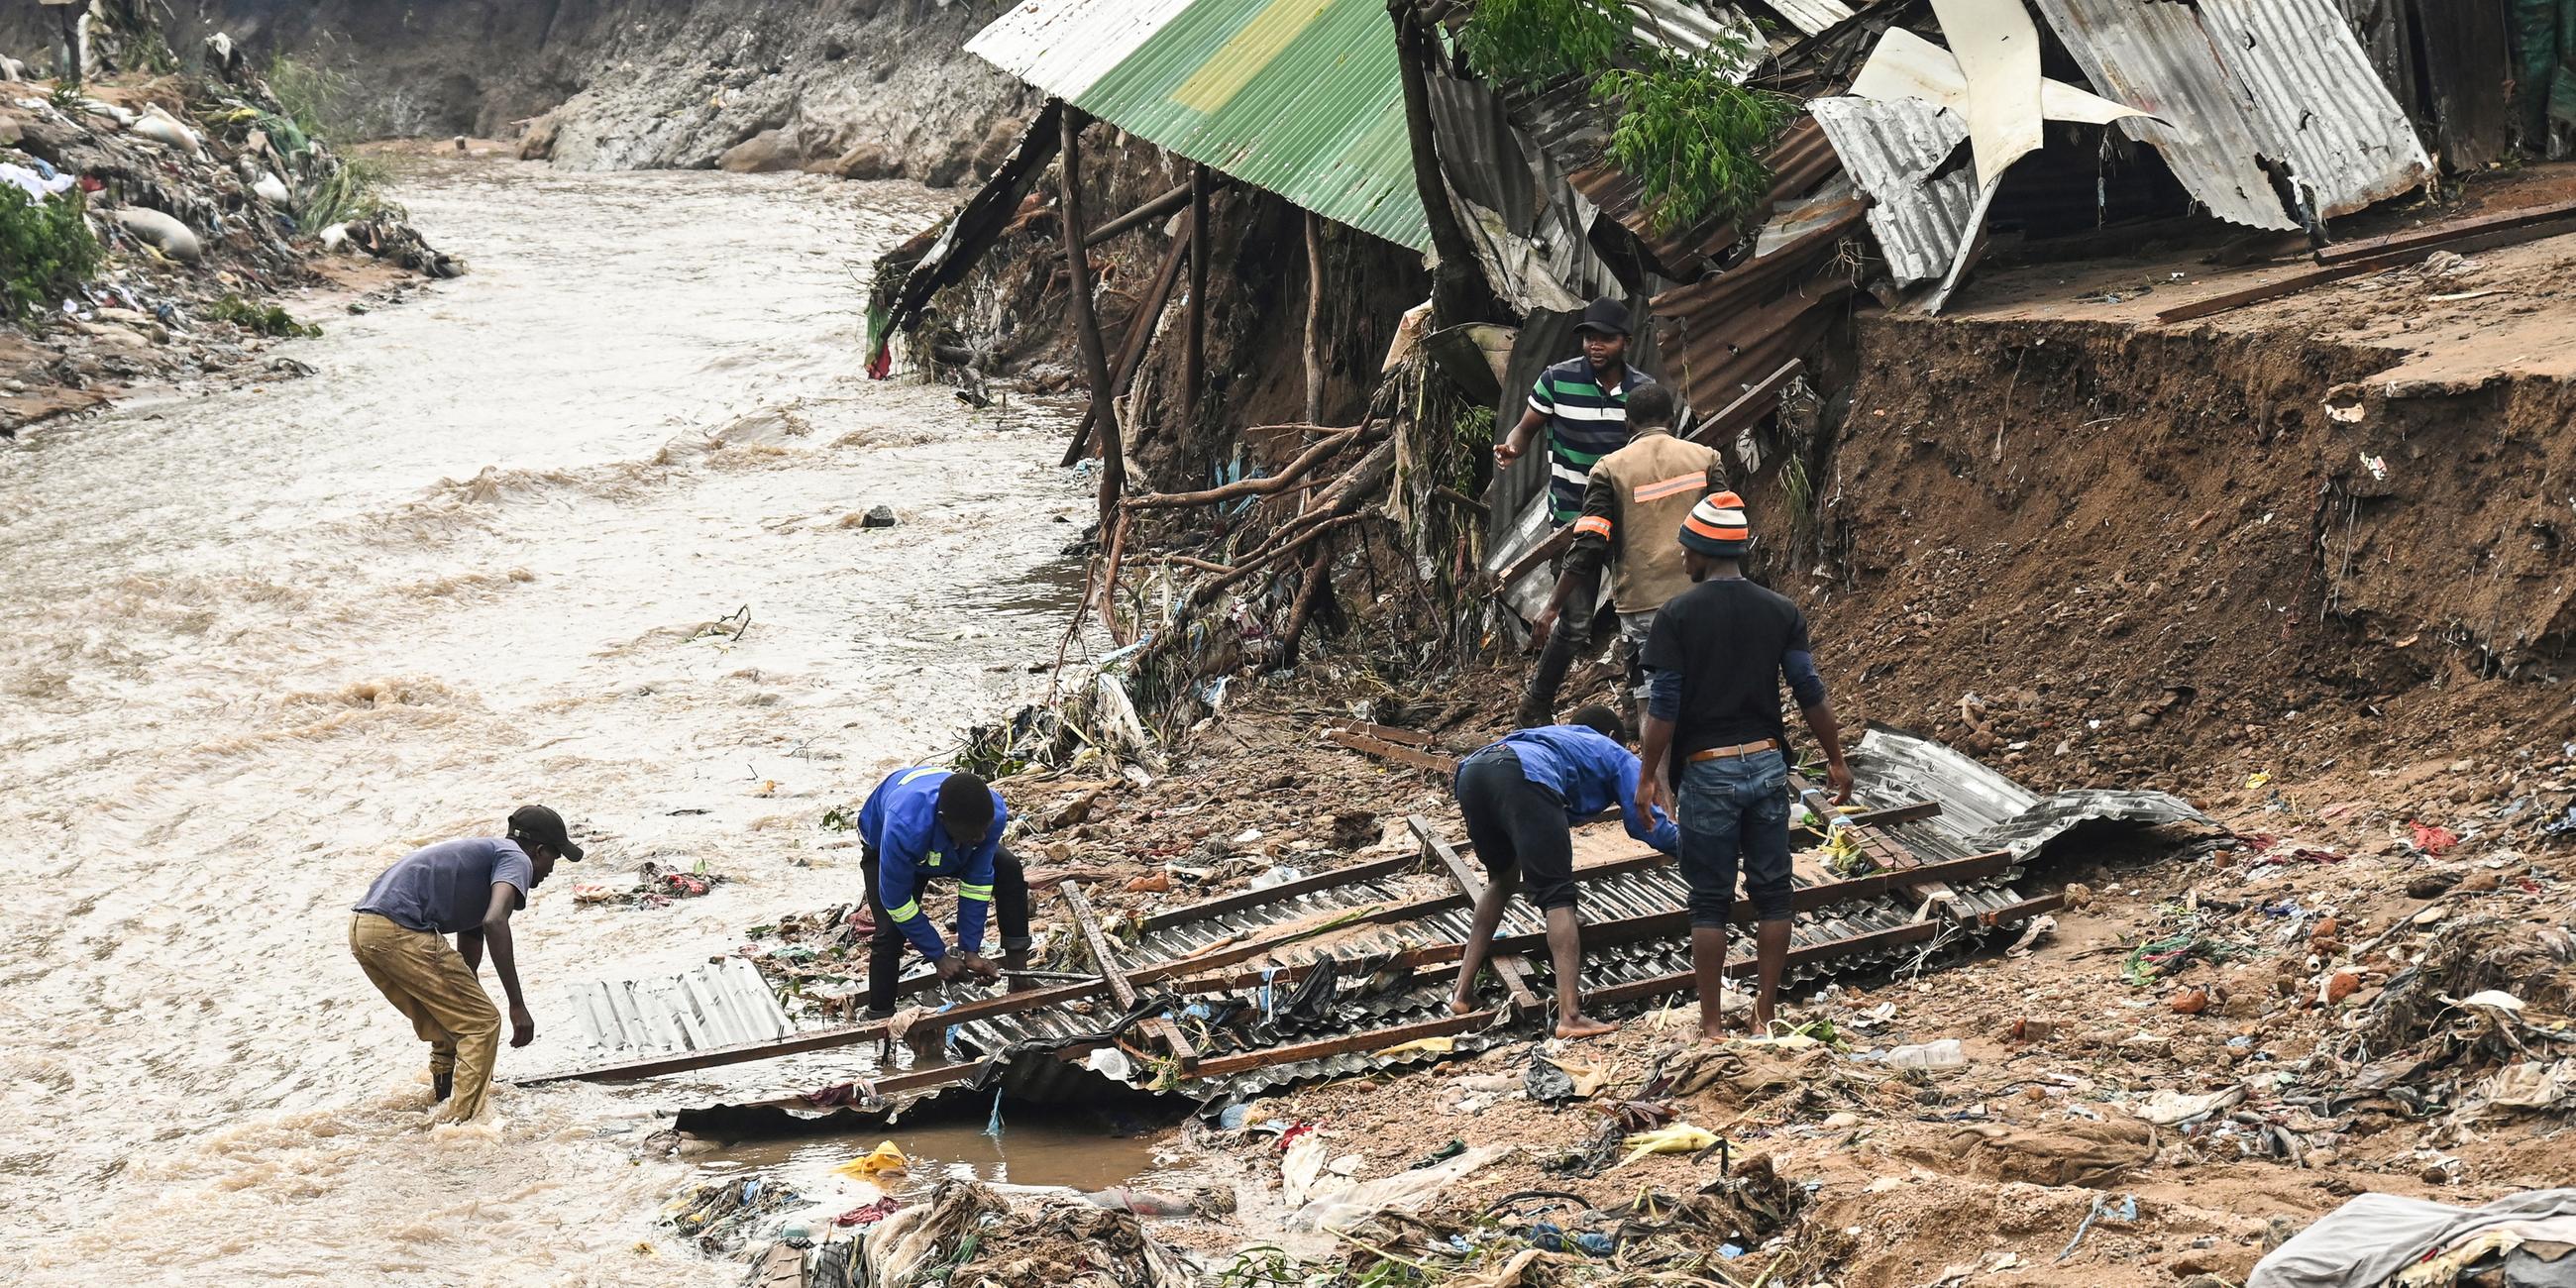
(1522, 797)
(927, 824)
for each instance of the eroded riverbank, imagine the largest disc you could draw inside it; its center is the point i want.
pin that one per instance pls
(263, 643)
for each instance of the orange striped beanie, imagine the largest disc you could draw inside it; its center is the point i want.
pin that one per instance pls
(1716, 527)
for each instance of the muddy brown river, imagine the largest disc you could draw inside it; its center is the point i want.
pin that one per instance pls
(255, 644)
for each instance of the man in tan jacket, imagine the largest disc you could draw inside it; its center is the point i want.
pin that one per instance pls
(1633, 503)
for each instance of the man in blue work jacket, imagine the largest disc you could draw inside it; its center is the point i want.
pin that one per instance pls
(1521, 798)
(922, 825)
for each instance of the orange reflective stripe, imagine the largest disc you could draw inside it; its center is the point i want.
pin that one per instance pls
(1673, 486)
(1594, 524)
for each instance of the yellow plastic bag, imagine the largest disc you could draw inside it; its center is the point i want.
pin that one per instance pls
(1443, 1045)
(884, 1160)
(1680, 1138)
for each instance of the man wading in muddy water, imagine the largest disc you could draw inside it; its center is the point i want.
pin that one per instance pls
(467, 888)
(1582, 402)
(927, 824)
(1521, 798)
(1715, 661)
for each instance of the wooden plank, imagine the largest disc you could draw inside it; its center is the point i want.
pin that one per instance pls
(2462, 244)
(1326, 1048)
(1243, 899)
(1105, 959)
(1888, 853)
(1383, 750)
(1511, 968)
(1714, 429)
(1390, 733)
(2440, 237)
(1557, 543)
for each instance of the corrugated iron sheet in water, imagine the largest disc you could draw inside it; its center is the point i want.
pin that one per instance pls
(1298, 97)
(722, 1004)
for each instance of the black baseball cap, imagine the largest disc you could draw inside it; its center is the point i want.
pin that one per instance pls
(1605, 315)
(545, 827)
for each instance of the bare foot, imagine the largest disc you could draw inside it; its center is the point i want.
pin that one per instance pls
(1459, 1005)
(1582, 1026)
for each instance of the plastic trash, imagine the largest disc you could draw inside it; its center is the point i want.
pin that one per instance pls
(272, 190)
(1680, 1138)
(884, 1160)
(1944, 1054)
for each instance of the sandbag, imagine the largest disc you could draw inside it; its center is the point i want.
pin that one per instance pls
(166, 132)
(164, 231)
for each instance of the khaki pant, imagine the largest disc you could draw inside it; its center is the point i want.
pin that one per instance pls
(422, 975)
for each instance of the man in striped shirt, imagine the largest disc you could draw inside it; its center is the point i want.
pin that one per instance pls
(1583, 403)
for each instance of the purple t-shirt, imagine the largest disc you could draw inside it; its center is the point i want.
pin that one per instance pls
(447, 887)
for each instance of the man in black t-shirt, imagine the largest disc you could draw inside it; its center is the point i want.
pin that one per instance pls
(1715, 739)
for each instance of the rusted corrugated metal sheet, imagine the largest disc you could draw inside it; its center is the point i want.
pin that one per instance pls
(1905, 154)
(2328, 114)
(2237, 81)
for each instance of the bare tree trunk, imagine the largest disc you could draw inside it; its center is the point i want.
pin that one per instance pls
(1459, 292)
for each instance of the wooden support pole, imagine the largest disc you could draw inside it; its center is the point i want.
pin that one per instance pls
(1194, 317)
(1086, 324)
(1314, 317)
(1131, 352)
(1512, 969)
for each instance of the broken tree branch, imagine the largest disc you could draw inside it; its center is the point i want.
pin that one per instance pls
(1261, 486)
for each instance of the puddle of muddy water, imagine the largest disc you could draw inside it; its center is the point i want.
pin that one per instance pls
(1078, 1154)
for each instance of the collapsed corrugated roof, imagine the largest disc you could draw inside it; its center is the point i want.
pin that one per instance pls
(1898, 151)
(2237, 83)
(1346, 971)
(1298, 97)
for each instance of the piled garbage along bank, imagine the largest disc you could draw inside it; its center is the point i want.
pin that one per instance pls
(202, 201)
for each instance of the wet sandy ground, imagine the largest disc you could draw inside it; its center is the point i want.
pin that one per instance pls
(260, 644)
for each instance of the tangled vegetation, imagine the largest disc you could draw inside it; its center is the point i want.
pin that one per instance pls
(46, 250)
(1693, 137)
(266, 319)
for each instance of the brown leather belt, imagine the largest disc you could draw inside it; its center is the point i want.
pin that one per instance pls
(1741, 749)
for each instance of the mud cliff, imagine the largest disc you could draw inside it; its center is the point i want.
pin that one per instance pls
(867, 88)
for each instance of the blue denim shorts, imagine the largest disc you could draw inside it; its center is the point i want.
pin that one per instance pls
(1735, 811)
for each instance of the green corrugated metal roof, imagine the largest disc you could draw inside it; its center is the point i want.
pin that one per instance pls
(1299, 97)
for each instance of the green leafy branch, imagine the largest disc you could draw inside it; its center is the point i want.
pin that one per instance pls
(1693, 137)
(1530, 41)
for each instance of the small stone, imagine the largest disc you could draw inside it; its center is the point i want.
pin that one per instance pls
(1842, 1121)
(881, 516)
(2342, 984)
(2190, 1001)
(2480, 882)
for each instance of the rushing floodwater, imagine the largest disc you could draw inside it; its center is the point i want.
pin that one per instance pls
(255, 645)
